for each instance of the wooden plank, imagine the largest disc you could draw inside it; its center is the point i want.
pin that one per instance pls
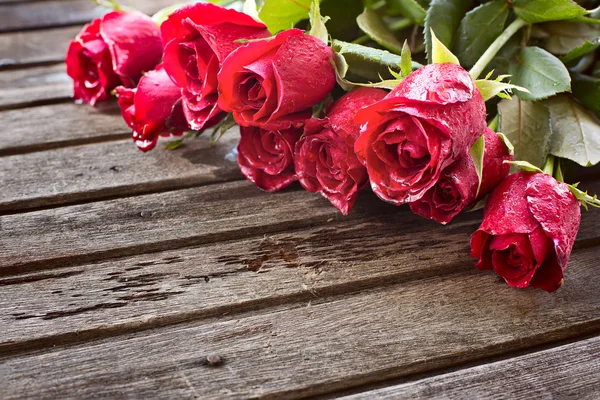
(320, 346)
(70, 304)
(44, 309)
(35, 47)
(50, 126)
(49, 13)
(53, 13)
(566, 372)
(34, 86)
(107, 170)
(164, 221)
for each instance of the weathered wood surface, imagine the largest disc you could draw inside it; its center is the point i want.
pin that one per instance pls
(35, 47)
(321, 345)
(164, 221)
(151, 289)
(566, 372)
(34, 86)
(112, 169)
(52, 13)
(57, 125)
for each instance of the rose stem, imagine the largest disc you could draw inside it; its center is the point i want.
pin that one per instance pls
(495, 47)
(394, 27)
(549, 165)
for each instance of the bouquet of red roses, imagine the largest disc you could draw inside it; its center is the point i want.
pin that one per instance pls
(338, 103)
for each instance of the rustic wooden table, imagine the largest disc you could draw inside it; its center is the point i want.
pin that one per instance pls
(126, 275)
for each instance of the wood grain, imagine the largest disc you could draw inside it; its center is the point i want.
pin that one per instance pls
(51, 126)
(35, 47)
(71, 304)
(319, 346)
(80, 302)
(565, 372)
(164, 221)
(53, 13)
(34, 86)
(112, 169)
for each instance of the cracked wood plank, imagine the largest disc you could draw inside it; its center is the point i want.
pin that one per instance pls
(48, 308)
(322, 345)
(35, 47)
(107, 170)
(164, 221)
(44, 309)
(565, 372)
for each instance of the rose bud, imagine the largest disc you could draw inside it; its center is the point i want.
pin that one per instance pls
(529, 227)
(110, 51)
(197, 39)
(152, 109)
(266, 157)
(324, 157)
(457, 187)
(425, 124)
(274, 83)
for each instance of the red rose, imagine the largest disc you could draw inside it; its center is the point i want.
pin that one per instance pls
(426, 123)
(457, 187)
(152, 109)
(274, 83)
(529, 227)
(324, 157)
(266, 157)
(197, 39)
(111, 51)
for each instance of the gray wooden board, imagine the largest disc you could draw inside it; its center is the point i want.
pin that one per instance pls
(163, 221)
(321, 345)
(571, 371)
(51, 13)
(34, 86)
(34, 47)
(75, 303)
(103, 170)
(147, 290)
(50, 126)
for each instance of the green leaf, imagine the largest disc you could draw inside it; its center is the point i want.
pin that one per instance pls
(507, 143)
(283, 14)
(371, 23)
(444, 16)
(586, 89)
(478, 29)
(162, 15)
(575, 133)
(535, 11)
(406, 60)
(527, 125)
(524, 166)
(317, 23)
(341, 70)
(250, 9)
(583, 49)
(476, 153)
(440, 53)
(561, 37)
(368, 63)
(490, 89)
(227, 123)
(584, 198)
(540, 72)
(409, 9)
(174, 144)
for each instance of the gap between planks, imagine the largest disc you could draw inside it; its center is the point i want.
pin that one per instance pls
(372, 336)
(475, 377)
